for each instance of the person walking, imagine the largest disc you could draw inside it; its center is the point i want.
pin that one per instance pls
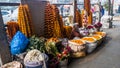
(102, 11)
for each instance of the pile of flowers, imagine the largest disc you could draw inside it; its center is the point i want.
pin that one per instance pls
(98, 26)
(64, 53)
(90, 27)
(57, 51)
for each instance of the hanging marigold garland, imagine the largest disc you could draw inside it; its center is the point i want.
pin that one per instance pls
(53, 24)
(49, 22)
(87, 7)
(25, 21)
(78, 18)
(12, 28)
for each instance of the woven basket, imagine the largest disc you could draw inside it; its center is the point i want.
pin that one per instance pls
(78, 54)
(99, 41)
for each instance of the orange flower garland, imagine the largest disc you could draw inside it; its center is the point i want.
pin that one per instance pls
(80, 42)
(97, 37)
(89, 39)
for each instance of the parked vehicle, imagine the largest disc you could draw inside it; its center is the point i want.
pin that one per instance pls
(9, 15)
(6, 15)
(14, 15)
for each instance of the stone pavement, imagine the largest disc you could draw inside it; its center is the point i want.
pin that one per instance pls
(105, 56)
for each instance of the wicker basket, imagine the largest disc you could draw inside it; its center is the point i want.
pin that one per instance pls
(99, 41)
(77, 47)
(78, 54)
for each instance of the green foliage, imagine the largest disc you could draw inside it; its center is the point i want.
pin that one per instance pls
(37, 43)
(106, 5)
(51, 48)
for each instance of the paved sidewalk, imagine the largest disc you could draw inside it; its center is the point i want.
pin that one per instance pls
(106, 56)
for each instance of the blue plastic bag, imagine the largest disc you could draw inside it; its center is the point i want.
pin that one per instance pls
(18, 43)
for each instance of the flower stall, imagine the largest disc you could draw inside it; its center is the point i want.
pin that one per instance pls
(49, 43)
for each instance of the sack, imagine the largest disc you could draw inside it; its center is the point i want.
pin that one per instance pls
(18, 43)
(35, 59)
(14, 64)
(77, 45)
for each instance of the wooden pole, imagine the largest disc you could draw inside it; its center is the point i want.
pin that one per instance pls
(74, 9)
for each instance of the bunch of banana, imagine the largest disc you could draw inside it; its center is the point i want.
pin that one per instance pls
(25, 21)
(12, 28)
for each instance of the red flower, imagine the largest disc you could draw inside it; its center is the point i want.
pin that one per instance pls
(90, 27)
(59, 55)
(98, 25)
(68, 48)
(65, 52)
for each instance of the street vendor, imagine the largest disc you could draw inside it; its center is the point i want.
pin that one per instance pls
(75, 31)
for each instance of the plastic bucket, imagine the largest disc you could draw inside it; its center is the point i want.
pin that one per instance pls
(33, 65)
(37, 64)
(91, 47)
(40, 66)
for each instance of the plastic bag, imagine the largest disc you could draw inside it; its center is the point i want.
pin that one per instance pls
(18, 43)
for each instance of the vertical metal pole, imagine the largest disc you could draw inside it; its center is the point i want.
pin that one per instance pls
(74, 9)
(0, 61)
(99, 10)
(73, 12)
(109, 7)
(112, 7)
(110, 14)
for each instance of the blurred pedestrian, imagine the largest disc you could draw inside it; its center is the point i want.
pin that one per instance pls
(102, 11)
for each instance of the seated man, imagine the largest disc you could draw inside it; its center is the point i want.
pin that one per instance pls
(75, 31)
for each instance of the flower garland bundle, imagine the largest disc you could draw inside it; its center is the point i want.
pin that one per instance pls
(53, 26)
(98, 26)
(90, 27)
(12, 28)
(25, 21)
